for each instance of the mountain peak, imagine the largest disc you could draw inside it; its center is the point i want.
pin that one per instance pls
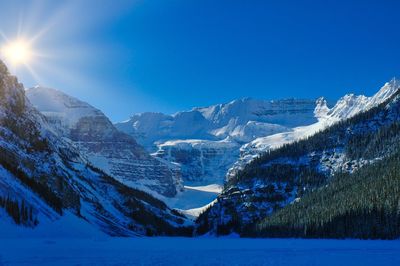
(106, 148)
(389, 89)
(57, 103)
(12, 95)
(393, 86)
(394, 82)
(321, 101)
(3, 68)
(321, 108)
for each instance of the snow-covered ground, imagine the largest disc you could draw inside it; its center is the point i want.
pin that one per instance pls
(194, 199)
(197, 251)
(213, 188)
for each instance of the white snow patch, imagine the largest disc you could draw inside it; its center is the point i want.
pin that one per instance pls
(214, 188)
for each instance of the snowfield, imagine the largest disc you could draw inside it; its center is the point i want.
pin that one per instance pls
(197, 251)
(193, 200)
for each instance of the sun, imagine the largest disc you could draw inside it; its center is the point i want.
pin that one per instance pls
(17, 52)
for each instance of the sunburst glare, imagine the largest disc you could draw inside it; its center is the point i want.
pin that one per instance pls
(35, 45)
(17, 52)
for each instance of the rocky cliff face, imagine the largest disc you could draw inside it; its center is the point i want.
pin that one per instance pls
(106, 148)
(201, 161)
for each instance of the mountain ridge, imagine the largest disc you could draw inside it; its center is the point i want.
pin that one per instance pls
(112, 151)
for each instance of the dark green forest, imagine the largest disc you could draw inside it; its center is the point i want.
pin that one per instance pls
(365, 204)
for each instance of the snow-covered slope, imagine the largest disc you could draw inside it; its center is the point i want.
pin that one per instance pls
(346, 107)
(112, 151)
(44, 179)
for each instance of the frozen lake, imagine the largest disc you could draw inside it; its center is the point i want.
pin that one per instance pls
(197, 251)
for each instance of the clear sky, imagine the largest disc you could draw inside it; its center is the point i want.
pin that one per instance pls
(171, 55)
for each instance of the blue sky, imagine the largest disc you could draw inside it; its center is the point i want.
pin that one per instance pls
(134, 56)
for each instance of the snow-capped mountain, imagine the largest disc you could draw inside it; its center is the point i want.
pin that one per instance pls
(44, 180)
(346, 107)
(356, 141)
(240, 120)
(205, 141)
(108, 149)
(211, 144)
